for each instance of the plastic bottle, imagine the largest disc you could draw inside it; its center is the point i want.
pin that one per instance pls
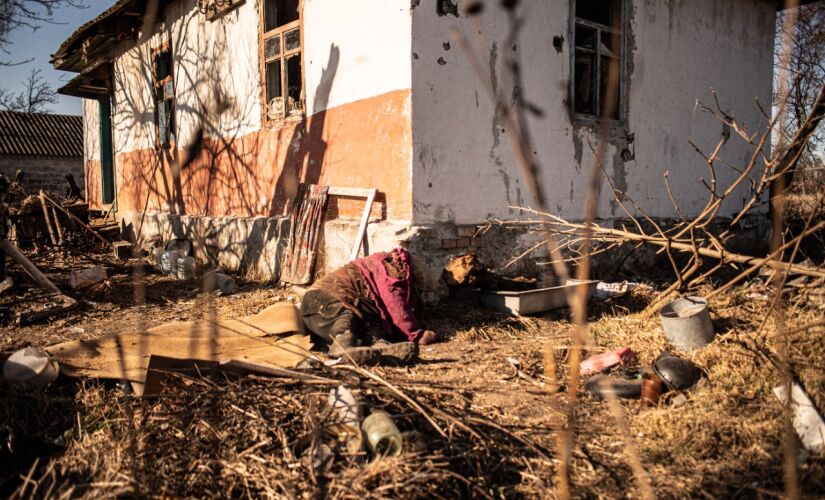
(186, 268)
(156, 253)
(383, 437)
(169, 262)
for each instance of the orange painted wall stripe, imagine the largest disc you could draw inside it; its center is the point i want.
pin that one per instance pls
(366, 143)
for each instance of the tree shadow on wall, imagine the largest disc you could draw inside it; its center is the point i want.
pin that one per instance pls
(307, 147)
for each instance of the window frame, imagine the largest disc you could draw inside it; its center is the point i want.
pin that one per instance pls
(157, 85)
(623, 83)
(263, 36)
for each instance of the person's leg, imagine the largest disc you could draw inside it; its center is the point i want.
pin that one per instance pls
(331, 321)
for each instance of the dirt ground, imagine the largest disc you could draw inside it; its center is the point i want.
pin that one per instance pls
(93, 438)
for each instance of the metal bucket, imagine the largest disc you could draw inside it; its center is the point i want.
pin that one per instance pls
(687, 324)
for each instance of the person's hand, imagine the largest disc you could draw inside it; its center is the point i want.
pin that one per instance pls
(428, 337)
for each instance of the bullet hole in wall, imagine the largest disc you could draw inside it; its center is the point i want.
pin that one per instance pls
(446, 45)
(444, 7)
(441, 61)
(558, 43)
(474, 8)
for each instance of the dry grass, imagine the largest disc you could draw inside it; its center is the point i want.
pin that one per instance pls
(222, 436)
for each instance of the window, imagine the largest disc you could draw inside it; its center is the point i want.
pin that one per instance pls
(164, 92)
(283, 89)
(598, 40)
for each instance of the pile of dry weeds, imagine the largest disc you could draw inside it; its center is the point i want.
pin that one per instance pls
(727, 440)
(222, 436)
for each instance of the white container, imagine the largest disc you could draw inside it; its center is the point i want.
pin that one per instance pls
(533, 301)
(186, 268)
(87, 277)
(30, 368)
(169, 261)
(806, 419)
(156, 253)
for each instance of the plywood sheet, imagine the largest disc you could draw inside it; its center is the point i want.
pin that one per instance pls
(275, 336)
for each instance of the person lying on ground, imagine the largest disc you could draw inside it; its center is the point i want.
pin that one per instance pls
(365, 310)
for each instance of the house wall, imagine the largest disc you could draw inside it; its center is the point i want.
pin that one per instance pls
(43, 172)
(464, 167)
(358, 131)
(91, 153)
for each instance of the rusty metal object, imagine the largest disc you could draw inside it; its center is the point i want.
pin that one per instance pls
(651, 389)
(677, 373)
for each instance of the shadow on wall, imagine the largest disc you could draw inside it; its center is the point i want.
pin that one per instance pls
(224, 165)
(308, 146)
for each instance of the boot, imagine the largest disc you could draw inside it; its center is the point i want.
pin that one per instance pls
(399, 353)
(346, 346)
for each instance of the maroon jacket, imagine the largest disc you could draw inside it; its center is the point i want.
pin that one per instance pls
(378, 288)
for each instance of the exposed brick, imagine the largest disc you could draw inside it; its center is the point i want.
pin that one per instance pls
(447, 244)
(43, 172)
(466, 231)
(434, 244)
(462, 242)
(475, 242)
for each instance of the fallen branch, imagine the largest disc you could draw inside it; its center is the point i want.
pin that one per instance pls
(32, 270)
(77, 219)
(683, 245)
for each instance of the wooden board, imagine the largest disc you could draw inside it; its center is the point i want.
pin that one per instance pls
(274, 336)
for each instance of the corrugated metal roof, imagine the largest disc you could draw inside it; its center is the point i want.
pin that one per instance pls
(40, 134)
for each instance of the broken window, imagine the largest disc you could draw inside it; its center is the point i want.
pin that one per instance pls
(164, 94)
(281, 59)
(598, 41)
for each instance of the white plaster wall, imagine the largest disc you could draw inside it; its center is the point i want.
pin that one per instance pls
(352, 51)
(464, 169)
(90, 111)
(355, 50)
(215, 63)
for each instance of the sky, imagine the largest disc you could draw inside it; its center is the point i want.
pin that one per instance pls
(40, 44)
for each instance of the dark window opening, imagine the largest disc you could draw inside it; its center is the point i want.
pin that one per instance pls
(281, 59)
(278, 13)
(107, 170)
(164, 95)
(605, 12)
(598, 38)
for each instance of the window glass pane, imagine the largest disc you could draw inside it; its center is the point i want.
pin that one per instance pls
(610, 44)
(606, 12)
(274, 102)
(585, 37)
(279, 12)
(292, 39)
(272, 47)
(294, 84)
(170, 121)
(584, 80)
(169, 90)
(609, 88)
(161, 122)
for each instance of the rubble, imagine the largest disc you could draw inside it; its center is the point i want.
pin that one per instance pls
(87, 277)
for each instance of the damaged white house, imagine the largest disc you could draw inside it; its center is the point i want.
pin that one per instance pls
(201, 117)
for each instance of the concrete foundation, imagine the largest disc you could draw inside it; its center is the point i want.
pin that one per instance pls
(253, 246)
(250, 246)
